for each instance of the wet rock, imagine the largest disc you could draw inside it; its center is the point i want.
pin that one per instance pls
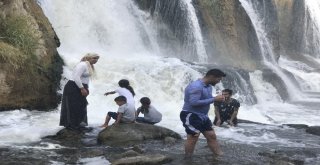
(68, 137)
(138, 149)
(124, 134)
(130, 153)
(143, 160)
(248, 122)
(169, 140)
(92, 152)
(228, 33)
(281, 158)
(315, 130)
(28, 50)
(298, 126)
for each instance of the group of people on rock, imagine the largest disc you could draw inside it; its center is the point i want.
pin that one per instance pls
(194, 115)
(127, 112)
(74, 103)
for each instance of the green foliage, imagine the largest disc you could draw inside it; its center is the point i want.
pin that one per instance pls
(18, 44)
(12, 56)
(17, 31)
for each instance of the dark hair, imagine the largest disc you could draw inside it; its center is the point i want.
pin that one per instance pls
(215, 73)
(123, 83)
(228, 91)
(121, 98)
(145, 101)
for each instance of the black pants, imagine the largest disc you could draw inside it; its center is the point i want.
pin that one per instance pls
(73, 107)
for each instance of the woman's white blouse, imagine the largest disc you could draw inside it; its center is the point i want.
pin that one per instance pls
(81, 74)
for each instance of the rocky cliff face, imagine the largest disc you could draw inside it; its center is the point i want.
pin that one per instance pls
(296, 33)
(229, 34)
(30, 67)
(230, 37)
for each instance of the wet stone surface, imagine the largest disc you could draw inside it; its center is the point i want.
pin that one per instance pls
(70, 147)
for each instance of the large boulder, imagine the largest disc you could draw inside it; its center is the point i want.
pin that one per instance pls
(228, 32)
(30, 66)
(315, 130)
(123, 134)
(144, 159)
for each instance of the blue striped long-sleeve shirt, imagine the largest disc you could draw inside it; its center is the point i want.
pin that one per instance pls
(198, 97)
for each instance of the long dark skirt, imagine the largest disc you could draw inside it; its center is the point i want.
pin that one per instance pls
(73, 107)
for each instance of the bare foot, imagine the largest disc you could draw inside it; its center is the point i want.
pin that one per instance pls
(104, 125)
(218, 153)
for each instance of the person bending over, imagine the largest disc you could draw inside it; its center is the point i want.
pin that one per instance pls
(151, 115)
(227, 110)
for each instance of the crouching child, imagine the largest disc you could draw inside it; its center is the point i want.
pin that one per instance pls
(151, 115)
(125, 114)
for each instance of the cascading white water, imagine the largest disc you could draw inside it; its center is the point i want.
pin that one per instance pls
(308, 77)
(201, 51)
(113, 32)
(101, 30)
(313, 8)
(267, 48)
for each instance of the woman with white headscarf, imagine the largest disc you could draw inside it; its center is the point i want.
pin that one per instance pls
(74, 102)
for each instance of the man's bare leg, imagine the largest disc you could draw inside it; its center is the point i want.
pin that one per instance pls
(190, 144)
(106, 122)
(212, 142)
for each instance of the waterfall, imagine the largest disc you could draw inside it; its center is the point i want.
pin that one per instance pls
(178, 31)
(312, 42)
(114, 30)
(202, 55)
(252, 8)
(102, 30)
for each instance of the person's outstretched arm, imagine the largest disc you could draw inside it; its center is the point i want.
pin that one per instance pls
(108, 93)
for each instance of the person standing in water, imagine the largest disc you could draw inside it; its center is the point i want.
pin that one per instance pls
(194, 114)
(74, 102)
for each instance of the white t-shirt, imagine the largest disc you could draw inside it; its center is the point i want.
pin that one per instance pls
(129, 113)
(81, 74)
(126, 93)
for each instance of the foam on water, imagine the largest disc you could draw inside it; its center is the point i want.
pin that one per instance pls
(94, 161)
(23, 126)
(309, 79)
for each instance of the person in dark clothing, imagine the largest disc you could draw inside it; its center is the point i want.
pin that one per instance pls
(73, 114)
(227, 110)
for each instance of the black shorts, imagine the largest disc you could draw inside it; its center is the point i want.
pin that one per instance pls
(113, 115)
(195, 123)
